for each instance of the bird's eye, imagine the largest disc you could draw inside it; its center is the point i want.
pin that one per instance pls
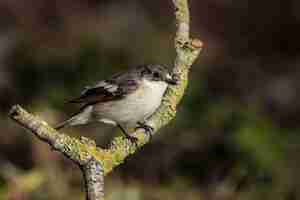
(156, 75)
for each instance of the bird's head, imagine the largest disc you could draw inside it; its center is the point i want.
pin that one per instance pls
(157, 73)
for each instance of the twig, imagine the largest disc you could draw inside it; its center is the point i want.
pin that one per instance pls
(96, 162)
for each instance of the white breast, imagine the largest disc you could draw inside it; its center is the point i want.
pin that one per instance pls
(137, 106)
(153, 93)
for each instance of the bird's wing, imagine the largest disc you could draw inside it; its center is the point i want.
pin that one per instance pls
(107, 90)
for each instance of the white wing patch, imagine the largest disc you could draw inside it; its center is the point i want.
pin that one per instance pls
(100, 84)
(111, 87)
(107, 86)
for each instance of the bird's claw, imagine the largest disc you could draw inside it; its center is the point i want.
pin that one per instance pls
(132, 139)
(148, 129)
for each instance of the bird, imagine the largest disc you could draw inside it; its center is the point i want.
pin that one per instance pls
(125, 100)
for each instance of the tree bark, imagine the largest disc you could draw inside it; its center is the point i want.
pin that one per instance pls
(96, 162)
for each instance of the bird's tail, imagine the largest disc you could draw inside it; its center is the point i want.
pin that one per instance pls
(80, 117)
(69, 122)
(63, 124)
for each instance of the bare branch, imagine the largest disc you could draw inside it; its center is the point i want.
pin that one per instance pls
(96, 162)
(94, 180)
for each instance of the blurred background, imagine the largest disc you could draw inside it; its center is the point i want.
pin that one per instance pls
(236, 135)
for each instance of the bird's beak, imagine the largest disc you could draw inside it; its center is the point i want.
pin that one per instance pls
(172, 80)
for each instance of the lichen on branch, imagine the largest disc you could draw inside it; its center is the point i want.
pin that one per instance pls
(82, 151)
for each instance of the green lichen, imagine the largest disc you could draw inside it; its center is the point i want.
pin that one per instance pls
(83, 149)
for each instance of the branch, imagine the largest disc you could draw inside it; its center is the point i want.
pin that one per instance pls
(97, 162)
(94, 180)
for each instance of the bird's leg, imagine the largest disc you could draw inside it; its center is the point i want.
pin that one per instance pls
(132, 139)
(148, 129)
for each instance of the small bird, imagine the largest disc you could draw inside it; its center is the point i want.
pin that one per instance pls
(125, 100)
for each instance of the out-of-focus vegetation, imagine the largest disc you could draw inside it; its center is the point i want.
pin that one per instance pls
(236, 133)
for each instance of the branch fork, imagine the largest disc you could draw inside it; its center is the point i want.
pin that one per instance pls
(96, 162)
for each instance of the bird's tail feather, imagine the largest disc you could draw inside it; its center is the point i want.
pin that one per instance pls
(62, 124)
(69, 122)
(80, 117)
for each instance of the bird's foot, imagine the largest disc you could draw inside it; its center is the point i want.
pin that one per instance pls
(148, 129)
(132, 139)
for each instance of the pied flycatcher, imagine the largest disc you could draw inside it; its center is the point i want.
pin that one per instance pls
(126, 100)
